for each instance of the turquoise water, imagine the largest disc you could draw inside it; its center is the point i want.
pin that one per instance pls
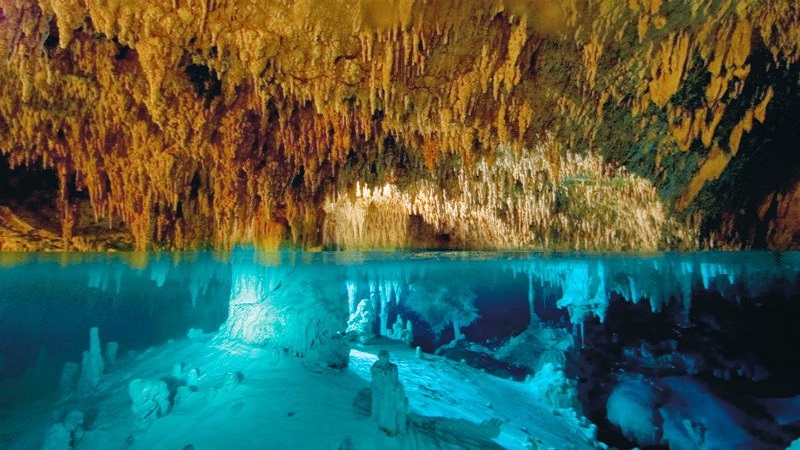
(724, 319)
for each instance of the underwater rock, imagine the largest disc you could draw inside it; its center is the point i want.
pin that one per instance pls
(535, 347)
(69, 377)
(694, 417)
(177, 371)
(111, 352)
(665, 357)
(402, 331)
(232, 380)
(553, 387)
(192, 378)
(92, 365)
(389, 402)
(194, 333)
(359, 326)
(150, 400)
(182, 394)
(482, 358)
(633, 407)
(287, 311)
(682, 413)
(446, 433)
(66, 434)
(335, 354)
(57, 438)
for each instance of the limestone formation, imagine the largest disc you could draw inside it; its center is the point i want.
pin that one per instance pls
(92, 364)
(389, 402)
(212, 123)
(359, 325)
(286, 309)
(111, 352)
(69, 378)
(66, 434)
(149, 401)
(402, 331)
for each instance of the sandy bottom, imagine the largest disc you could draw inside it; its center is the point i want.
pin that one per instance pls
(283, 402)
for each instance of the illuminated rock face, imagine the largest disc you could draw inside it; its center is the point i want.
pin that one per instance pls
(219, 122)
(287, 309)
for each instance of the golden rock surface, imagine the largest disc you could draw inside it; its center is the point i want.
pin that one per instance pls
(220, 122)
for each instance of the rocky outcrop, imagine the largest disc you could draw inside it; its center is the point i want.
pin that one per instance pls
(218, 122)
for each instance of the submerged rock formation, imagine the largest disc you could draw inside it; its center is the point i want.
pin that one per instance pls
(289, 309)
(591, 124)
(92, 365)
(389, 402)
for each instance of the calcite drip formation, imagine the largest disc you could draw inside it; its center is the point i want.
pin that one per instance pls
(221, 122)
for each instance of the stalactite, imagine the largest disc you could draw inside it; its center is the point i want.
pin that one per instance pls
(516, 202)
(212, 123)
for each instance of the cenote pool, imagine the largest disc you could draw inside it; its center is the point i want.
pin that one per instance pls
(257, 350)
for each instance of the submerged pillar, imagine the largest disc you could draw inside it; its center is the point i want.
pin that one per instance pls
(389, 401)
(92, 364)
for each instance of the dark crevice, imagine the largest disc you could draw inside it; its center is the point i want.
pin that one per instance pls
(205, 81)
(297, 181)
(51, 42)
(766, 164)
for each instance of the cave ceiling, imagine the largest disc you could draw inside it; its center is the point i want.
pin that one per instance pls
(212, 123)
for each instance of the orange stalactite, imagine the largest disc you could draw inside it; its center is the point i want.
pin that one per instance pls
(225, 122)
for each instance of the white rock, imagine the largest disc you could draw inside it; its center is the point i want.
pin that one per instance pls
(633, 407)
(92, 364)
(192, 378)
(111, 352)
(231, 380)
(360, 322)
(194, 333)
(389, 402)
(150, 400)
(69, 377)
(292, 312)
(64, 435)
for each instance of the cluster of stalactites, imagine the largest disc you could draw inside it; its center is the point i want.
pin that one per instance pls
(585, 287)
(188, 121)
(529, 200)
(222, 121)
(650, 55)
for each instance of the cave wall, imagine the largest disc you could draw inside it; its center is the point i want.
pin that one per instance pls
(214, 123)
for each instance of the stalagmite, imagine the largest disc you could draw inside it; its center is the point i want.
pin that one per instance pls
(383, 296)
(92, 364)
(389, 402)
(352, 291)
(149, 401)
